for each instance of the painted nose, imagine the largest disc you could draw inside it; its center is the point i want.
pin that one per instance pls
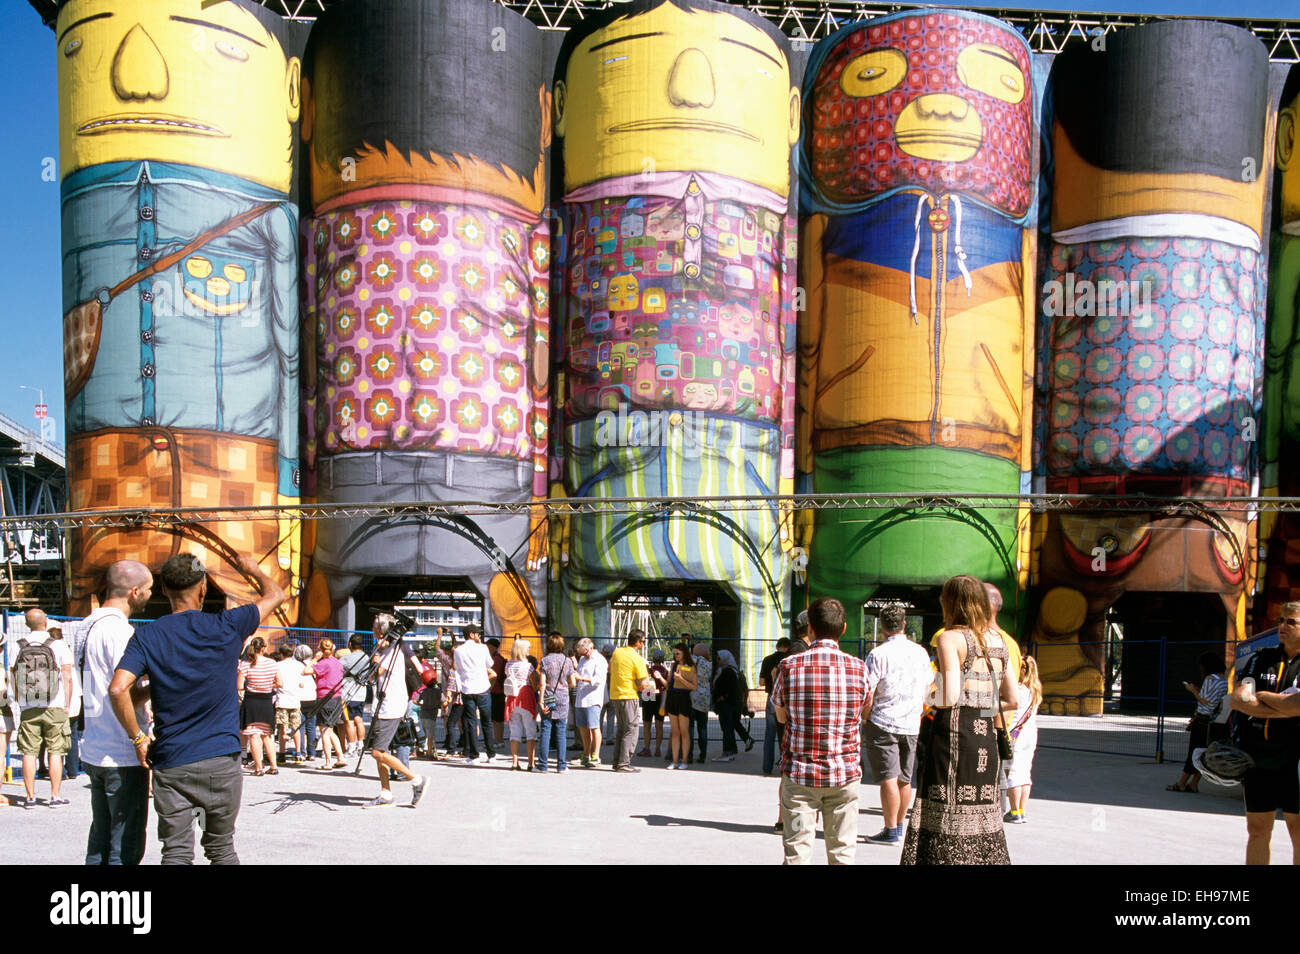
(942, 106)
(690, 83)
(139, 70)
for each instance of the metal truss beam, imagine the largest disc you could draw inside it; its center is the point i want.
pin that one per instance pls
(1206, 509)
(1047, 31)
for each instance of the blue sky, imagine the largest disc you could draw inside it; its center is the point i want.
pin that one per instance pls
(30, 315)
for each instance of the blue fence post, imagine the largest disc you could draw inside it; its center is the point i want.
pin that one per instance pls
(1160, 701)
(4, 660)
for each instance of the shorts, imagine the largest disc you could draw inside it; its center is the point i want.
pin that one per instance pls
(43, 725)
(588, 717)
(523, 725)
(353, 710)
(498, 707)
(329, 712)
(385, 730)
(650, 711)
(890, 756)
(678, 703)
(1267, 790)
(290, 720)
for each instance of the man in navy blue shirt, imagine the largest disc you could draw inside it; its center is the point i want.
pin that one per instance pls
(191, 658)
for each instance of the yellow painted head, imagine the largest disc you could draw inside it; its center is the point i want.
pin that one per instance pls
(197, 82)
(1288, 153)
(672, 86)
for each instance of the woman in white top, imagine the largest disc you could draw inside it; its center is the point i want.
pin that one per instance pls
(1023, 726)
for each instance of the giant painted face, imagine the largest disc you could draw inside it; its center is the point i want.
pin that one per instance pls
(676, 90)
(186, 81)
(939, 102)
(1288, 158)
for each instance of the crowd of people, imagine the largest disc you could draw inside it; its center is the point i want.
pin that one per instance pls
(949, 734)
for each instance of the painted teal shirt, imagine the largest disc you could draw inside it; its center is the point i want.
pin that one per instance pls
(209, 343)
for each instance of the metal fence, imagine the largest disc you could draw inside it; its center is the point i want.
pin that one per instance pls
(1125, 697)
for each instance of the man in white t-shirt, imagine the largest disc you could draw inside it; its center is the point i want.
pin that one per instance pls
(119, 784)
(474, 675)
(288, 705)
(390, 709)
(42, 720)
(899, 676)
(592, 693)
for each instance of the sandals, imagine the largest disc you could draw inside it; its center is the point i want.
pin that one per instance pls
(273, 771)
(1181, 788)
(340, 765)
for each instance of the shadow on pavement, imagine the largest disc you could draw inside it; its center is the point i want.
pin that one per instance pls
(330, 802)
(665, 821)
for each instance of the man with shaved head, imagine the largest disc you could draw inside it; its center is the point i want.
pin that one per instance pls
(119, 784)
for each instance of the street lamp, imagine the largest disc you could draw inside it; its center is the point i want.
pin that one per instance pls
(40, 405)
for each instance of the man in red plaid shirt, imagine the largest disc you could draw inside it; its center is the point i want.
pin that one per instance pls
(820, 695)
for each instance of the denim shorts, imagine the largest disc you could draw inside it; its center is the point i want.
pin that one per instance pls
(589, 717)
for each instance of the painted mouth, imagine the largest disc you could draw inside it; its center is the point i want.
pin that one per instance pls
(152, 123)
(698, 125)
(943, 139)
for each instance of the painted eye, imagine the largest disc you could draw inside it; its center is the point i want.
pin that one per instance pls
(613, 59)
(985, 69)
(871, 74)
(232, 51)
(72, 47)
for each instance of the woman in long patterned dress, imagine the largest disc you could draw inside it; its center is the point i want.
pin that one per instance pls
(957, 816)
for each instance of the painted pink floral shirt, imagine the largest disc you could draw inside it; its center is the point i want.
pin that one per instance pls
(432, 325)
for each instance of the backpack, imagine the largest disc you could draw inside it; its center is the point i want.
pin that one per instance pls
(36, 675)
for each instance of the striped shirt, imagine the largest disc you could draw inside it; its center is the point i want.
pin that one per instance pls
(1213, 689)
(823, 691)
(259, 678)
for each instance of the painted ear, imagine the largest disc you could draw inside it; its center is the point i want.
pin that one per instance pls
(308, 112)
(795, 115)
(544, 97)
(293, 88)
(1286, 135)
(558, 97)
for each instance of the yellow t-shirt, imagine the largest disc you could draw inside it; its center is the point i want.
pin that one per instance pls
(626, 668)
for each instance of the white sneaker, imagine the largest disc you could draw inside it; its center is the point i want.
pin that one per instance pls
(484, 759)
(418, 790)
(471, 761)
(380, 802)
(682, 766)
(724, 758)
(671, 766)
(595, 760)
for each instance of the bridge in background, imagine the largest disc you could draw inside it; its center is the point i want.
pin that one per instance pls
(32, 482)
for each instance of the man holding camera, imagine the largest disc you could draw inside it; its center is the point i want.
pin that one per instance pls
(390, 710)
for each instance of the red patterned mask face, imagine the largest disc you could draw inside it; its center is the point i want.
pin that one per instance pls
(941, 102)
